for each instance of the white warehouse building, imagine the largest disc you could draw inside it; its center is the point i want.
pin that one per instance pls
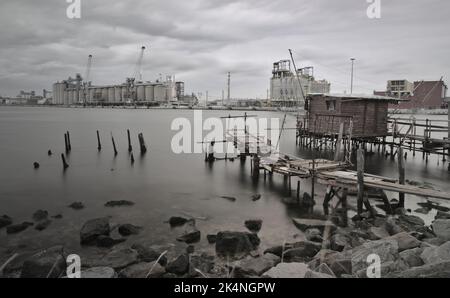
(284, 85)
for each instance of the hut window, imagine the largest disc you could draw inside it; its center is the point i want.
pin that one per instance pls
(331, 105)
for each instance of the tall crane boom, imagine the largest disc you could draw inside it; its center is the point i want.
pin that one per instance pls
(138, 71)
(88, 69)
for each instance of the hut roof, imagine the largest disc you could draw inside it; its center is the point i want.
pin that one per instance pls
(354, 97)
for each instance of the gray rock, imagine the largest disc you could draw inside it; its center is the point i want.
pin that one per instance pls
(203, 263)
(40, 215)
(423, 210)
(129, 229)
(435, 270)
(314, 235)
(410, 222)
(377, 233)
(42, 225)
(50, 263)
(324, 269)
(412, 257)
(442, 215)
(94, 228)
(339, 241)
(312, 274)
(76, 206)
(441, 228)
(149, 254)
(392, 227)
(143, 270)
(99, 272)
(301, 251)
(387, 250)
(287, 270)
(236, 244)
(176, 221)
(256, 197)
(254, 225)
(5, 220)
(14, 229)
(434, 241)
(255, 266)
(122, 203)
(436, 254)
(190, 235)
(119, 258)
(405, 241)
(108, 242)
(179, 266)
(304, 224)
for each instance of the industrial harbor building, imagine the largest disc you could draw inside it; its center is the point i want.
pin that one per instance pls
(285, 87)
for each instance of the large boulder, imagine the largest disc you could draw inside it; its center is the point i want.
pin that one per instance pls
(441, 228)
(250, 266)
(107, 242)
(377, 233)
(99, 272)
(405, 241)
(236, 244)
(190, 235)
(200, 264)
(410, 222)
(436, 254)
(339, 241)
(94, 228)
(303, 224)
(143, 270)
(434, 270)
(314, 235)
(442, 215)
(287, 270)
(176, 221)
(5, 220)
(119, 258)
(50, 263)
(386, 250)
(42, 225)
(412, 257)
(179, 266)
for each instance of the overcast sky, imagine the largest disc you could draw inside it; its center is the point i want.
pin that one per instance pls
(199, 41)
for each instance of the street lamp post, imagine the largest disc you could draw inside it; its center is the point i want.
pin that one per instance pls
(351, 86)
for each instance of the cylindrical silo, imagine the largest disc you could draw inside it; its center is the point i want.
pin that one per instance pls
(160, 93)
(117, 94)
(149, 93)
(111, 95)
(104, 96)
(140, 94)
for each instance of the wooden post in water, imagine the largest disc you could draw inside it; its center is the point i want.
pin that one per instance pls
(360, 186)
(63, 158)
(298, 191)
(68, 141)
(114, 145)
(99, 144)
(401, 175)
(130, 148)
(255, 166)
(132, 158)
(142, 143)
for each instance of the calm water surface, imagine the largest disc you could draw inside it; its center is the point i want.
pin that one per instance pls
(161, 183)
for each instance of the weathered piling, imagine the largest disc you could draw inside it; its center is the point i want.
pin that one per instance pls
(142, 145)
(68, 141)
(401, 175)
(99, 144)
(360, 173)
(114, 144)
(132, 158)
(63, 158)
(130, 148)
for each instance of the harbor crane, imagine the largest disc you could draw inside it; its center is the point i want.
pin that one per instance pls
(86, 82)
(136, 78)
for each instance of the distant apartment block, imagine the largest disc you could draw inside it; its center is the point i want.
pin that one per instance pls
(419, 95)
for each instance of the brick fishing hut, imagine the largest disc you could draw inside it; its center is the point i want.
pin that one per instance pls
(366, 114)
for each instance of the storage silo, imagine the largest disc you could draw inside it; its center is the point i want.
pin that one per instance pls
(140, 94)
(111, 95)
(104, 96)
(117, 94)
(149, 93)
(160, 93)
(91, 94)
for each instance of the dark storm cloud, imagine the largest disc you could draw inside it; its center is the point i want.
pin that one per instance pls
(199, 41)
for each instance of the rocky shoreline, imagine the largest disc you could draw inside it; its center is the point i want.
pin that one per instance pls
(404, 245)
